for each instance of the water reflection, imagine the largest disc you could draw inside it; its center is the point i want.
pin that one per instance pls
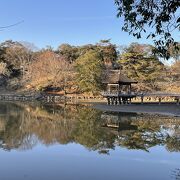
(23, 126)
(176, 174)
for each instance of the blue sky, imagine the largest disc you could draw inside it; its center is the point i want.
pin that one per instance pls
(53, 22)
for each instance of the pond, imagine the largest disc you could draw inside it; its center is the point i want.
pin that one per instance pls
(80, 143)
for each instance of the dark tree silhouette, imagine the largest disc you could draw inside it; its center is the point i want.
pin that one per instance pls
(160, 16)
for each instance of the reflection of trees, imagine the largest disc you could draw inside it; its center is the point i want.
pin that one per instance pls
(144, 132)
(90, 133)
(145, 136)
(173, 144)
(176, 174)
(22, 126)
(12, 135)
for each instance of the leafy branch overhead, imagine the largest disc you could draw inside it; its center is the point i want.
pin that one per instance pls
(156, 18)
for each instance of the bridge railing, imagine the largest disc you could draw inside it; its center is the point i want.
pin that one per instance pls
(158, 94)
(116, 94)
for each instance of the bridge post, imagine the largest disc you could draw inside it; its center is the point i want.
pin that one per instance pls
(142, 99)
(177, 101)
(116, 101)
(130, 100)
(119, 99)
(113, 100)
(159, 100)
(108, 101)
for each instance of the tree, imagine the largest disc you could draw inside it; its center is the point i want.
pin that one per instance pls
(174, 52)
(48, 70)
(3, 69)
(15, 55)
(161, 16)
(141, 65)
(144, 49)
(175, 71)
(85, 48)
(30, 46)
(89, 68)
(108, 52)
(70, 53)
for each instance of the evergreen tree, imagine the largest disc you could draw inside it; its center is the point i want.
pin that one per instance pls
(89, 68)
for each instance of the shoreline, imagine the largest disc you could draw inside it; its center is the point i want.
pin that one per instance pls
(166, 109)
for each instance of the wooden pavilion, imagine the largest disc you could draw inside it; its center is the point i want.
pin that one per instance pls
(118, 87)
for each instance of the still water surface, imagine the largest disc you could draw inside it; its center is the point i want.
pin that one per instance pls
(79, 143)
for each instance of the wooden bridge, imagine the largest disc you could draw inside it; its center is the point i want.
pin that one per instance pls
(160, 96)
(14, 97)
(115, 98)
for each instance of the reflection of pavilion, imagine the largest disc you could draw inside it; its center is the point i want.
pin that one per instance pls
(121, 123)
(119, 87)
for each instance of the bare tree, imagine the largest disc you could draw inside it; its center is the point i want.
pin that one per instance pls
(49, 70)
(16, 55)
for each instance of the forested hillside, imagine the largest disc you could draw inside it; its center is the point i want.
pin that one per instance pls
(80, 69)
